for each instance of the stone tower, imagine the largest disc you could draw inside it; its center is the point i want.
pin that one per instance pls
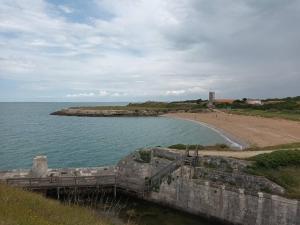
(39, 166)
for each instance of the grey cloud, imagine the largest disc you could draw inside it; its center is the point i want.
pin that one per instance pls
(155, 49)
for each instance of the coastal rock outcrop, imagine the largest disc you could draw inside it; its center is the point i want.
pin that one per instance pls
(107, 112)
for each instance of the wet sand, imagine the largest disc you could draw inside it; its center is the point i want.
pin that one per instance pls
(247, 130)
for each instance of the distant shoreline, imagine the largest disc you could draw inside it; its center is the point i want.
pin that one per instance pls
(235, 142)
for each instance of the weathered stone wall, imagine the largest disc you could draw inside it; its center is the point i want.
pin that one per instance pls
(167, 153)
(251, 182)
(226, 203)
(223, 163)
(131, 171)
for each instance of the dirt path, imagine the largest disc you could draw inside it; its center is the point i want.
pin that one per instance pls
(256, 131)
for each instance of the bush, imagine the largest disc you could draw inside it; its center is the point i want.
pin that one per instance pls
(222, 146)
(280, 158)
(184, 147)
(145, 156)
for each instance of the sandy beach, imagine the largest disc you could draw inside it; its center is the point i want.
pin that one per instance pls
(247, 130)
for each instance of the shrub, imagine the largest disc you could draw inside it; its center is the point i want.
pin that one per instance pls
(280, 158)
(145, 156)
(183, 147)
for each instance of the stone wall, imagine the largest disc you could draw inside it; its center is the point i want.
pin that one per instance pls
(255, 183)
(226, 203)
(223, 163)
(132, 171)
(167, 153)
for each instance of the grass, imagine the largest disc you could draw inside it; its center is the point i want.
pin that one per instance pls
(276, 159)
(18, 207)
(282, 167)
(282, 114)
(295, 145)
(155, 106)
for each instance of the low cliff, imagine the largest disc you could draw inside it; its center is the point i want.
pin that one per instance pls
(107, 112)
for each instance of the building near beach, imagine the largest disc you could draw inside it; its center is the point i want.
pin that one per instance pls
(253, 101)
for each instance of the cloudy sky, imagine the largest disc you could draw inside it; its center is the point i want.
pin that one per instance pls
(135, 50)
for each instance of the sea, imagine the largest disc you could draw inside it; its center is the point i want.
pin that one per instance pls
(28, 129)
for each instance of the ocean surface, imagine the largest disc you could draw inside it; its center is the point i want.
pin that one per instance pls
(27, 129)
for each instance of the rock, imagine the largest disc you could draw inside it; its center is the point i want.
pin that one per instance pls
(106, 112)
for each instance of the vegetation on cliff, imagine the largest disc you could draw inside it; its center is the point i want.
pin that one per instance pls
(18, 207)
(282, 167)
(145, 156)
(200, 147)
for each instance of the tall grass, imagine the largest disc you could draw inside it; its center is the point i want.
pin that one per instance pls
(18, 207)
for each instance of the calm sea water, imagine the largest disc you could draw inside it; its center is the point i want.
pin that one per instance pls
(27, 129)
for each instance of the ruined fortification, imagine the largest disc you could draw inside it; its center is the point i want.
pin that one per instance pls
(210, 186)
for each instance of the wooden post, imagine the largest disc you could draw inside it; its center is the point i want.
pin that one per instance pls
(57, 190)
(187, 151)
(115, 187)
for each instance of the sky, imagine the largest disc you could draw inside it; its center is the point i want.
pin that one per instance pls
(138, 50)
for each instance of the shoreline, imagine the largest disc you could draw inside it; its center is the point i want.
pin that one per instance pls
(235, 143)
(249, 131)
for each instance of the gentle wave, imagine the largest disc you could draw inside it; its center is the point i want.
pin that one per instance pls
(27, 129)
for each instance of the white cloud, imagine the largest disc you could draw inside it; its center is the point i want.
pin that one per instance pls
(175, 92)
(103, 93)
(99, 94)
(91, 94)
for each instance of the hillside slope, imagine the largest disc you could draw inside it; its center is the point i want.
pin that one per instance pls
(18, 207)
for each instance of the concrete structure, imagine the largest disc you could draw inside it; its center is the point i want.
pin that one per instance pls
(233, 205)
(240, 202)
(39, 166)
(212, 186)
(253, 101)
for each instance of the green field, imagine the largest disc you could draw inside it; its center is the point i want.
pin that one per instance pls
(18, 207)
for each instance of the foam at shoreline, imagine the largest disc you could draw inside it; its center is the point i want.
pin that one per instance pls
(234, 141)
